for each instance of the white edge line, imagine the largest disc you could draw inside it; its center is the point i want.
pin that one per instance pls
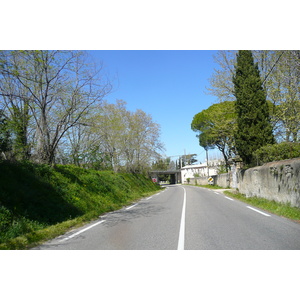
(229, 198)
(182, 224)
(131, 206)
(258, 211)
(85, 229)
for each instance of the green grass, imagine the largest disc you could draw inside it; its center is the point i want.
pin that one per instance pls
(38, 202)
(280, 209)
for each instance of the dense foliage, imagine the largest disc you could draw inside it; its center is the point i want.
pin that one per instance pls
(216, 127)
(285, 150)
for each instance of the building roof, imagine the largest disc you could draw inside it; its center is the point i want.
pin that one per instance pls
(204, 165)
(212, 163)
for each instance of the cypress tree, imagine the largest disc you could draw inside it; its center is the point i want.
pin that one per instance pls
(254, 128)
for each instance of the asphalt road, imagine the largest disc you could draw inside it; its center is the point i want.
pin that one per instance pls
(183, 218)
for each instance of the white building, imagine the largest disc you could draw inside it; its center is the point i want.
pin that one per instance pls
(200, 170)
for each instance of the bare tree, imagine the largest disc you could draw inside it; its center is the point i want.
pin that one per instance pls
(221, 84)
(142, 144)
(283, 91)
(61, 87)
(127, 140)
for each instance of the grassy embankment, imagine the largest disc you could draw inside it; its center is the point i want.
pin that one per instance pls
(280, 209)
(38, 202)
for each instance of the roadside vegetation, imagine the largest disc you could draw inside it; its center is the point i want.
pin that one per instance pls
(39, 202)
(280, 209)
(66, 155)
(282, 151)
(209, 186)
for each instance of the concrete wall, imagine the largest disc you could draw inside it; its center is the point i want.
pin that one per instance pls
(222, 180)
(279, 181)
(198, 180)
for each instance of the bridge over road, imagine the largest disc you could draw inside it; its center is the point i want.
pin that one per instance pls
(175, 176)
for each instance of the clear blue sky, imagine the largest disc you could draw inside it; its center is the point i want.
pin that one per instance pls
(167, 84)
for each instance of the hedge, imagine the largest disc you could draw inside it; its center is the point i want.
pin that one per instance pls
(282, 151)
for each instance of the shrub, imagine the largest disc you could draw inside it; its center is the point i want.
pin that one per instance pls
(269, 153)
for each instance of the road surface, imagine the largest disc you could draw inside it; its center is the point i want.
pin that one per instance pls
(183, 218)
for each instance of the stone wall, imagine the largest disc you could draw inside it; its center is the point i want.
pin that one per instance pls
(199, 180)
(222, 180)
(279, 181)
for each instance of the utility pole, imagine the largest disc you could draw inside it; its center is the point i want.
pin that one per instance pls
(182, 158)
(207, 162)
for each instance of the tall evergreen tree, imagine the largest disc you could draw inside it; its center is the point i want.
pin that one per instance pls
(254, 129)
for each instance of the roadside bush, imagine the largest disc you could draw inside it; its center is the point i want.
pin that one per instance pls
(5, 219)
(277, 152)
(12, 226)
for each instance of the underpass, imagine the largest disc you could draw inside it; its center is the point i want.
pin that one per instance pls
(174, 176)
